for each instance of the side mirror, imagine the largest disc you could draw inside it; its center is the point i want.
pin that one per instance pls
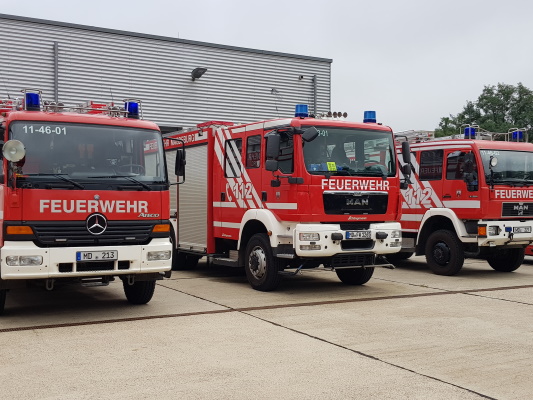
(406, 152)
(273, 145)
(310, 134)
(179, 167)
(271, 165)
(406, 169)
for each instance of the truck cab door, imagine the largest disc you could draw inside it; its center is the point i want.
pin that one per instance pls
(457, 193)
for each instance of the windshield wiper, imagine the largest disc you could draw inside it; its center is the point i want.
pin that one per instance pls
(59, 176)
(131, 179)
(512, 182)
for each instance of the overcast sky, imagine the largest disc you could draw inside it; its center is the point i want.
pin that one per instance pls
(413, 61)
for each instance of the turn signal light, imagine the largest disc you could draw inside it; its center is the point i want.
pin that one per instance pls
(161, 228)
(19, 230)
(482, 230)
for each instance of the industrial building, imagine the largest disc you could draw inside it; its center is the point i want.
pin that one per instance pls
(180, 82)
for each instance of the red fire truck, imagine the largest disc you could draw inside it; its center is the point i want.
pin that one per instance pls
(291, 193)
(470, 196)
(84, 197)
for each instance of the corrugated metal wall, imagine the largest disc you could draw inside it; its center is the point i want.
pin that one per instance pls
(93, 62)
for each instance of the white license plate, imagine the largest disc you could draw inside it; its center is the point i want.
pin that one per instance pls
(108, 255)
(522, 229)
(358, 235)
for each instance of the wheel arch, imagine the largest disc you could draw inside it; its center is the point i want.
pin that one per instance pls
(434, 220)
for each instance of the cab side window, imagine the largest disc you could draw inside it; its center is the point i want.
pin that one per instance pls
(233, 158)
(286, 153)
(431, 165)
(253, 152)
(455, 165)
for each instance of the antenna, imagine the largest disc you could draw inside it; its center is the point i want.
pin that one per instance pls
(277, 98)
(112, 101)
(5, 86)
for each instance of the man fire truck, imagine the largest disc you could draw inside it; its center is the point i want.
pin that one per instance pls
(288, 194)
(84, 197)
(470, 196)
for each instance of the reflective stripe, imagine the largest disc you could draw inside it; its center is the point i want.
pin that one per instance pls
(411, 217)
(224, 204)
(221, 224)
(282, 206)
(462, 204)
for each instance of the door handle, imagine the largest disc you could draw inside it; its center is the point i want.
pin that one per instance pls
(447, 196)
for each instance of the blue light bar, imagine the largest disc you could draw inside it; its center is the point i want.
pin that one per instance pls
(302, 111)
(369, 117)
(470, 133)
(518, 136)
(33, 101)
(133, 109)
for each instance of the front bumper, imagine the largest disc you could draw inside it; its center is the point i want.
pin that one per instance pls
(508, 233)
(330, 247)
(60, 262)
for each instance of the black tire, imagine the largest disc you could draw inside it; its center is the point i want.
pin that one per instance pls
(140, 292)
(260, 264)
(356, 276)
(401, 256)
(444, 253)
(183, 261)
(2, 300)
(506, 260)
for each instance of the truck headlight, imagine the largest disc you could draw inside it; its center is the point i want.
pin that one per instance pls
(493, 230)
(24, 261)
(309, 236)
(396, 234)
(158, 255)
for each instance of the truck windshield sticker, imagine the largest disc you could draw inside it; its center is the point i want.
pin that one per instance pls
(332, 166)
(45, 129)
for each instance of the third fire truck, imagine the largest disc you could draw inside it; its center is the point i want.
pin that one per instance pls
(291, 193)
(470, 196)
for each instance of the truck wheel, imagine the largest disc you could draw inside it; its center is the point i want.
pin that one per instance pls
(140, 292)
(506, 260)
(260, 264)
(356, 276)
(2, 300)
(444, 253)
(401, 256)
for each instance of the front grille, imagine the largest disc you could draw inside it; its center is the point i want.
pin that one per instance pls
(352, 260)
(342, 203)
(517, 209)
(74, 233)
(87, 266)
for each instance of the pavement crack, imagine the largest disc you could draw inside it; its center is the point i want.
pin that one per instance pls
(369, 356)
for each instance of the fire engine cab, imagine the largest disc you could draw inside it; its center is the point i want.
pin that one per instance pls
(471, 195)
(84, 197)
(291, 193)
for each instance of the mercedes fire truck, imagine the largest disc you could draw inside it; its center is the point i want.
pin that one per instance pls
(84, 197)
(288, 194)
(471, 195)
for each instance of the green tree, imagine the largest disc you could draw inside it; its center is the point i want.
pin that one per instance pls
(497, 109)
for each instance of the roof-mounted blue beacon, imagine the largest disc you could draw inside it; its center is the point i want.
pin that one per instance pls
(133, 109)
(470, 132)
(369, 117)
(302, 111)
(32, 101)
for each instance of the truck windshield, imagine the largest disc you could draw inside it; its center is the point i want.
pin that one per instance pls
(83, 152)
(512, 167)
(350, 152)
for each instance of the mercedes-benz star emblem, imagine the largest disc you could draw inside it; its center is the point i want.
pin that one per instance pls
(96, 224)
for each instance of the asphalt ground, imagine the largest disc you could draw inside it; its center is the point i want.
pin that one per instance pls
(406, 334)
